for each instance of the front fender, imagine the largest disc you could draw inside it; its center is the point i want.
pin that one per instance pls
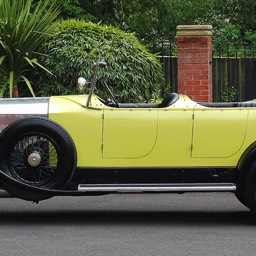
(36, 194)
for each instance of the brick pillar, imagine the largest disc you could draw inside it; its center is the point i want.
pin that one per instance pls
(195, 62)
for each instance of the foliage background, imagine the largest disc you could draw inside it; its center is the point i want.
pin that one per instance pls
(132, 72)
(155, 20)
(152, 21)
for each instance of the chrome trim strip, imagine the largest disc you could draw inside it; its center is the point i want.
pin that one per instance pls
(184, 187)
(25, 109)
(24, 106)
(18, 108)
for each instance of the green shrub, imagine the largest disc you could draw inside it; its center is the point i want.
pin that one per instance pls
(132, 72)
(230, 94)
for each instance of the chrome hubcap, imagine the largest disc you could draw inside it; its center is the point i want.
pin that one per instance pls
(34, 159)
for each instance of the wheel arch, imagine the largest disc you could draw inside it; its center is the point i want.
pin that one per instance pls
(55, 129)
(46, 119)
(244, 162)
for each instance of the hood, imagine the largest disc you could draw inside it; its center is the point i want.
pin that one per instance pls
(18, 108)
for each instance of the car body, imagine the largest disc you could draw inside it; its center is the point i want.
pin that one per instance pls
(84, 145)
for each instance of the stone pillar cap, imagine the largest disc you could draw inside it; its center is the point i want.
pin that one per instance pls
(194, 30)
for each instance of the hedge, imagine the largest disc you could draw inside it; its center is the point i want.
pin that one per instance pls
(132, 71)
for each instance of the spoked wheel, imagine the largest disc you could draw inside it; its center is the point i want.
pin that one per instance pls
(34, 159)
(38, 152)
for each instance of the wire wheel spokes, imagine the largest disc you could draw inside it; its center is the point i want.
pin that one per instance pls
(34, 159)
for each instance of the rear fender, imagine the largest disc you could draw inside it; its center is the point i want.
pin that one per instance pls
(245, 161)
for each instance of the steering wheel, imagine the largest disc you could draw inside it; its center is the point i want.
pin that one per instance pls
(112, 96)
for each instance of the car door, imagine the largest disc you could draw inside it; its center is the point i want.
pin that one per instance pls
(129, 132)
(218, 132)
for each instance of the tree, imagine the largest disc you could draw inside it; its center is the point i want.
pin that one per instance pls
(151, 20)
(22, 32)
(69, 9)
(234, 24)
(156, 20)
(240, 12)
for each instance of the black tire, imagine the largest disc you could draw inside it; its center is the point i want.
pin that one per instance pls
(240, 197)
(249, 191)
(38, 152)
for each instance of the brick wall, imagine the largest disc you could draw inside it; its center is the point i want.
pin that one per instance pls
(195, 62)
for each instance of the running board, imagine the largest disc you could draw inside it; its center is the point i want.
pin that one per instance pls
(162, 187)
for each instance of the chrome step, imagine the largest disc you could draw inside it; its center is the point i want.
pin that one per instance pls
(161, 187)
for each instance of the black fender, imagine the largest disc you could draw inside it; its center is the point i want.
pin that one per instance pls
(248, 157)
(36, 194)
(51, 132)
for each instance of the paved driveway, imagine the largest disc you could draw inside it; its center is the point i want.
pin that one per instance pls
(131, 224)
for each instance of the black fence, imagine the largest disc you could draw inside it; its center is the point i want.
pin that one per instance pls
(170, 69)
(234, 76)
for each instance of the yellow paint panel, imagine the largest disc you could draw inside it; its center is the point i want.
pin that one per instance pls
(129, 133)
(83, 125)
(218, 132)
(174, 136)
(111, 137)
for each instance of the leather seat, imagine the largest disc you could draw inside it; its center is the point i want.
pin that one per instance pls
(169, 100)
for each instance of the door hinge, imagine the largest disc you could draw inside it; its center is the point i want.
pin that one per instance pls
(102, 145)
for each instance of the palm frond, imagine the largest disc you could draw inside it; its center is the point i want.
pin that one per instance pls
(28, 85)
(11, 82)
(22, 32)
(3, 89)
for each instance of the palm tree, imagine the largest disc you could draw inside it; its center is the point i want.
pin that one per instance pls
(22, 32)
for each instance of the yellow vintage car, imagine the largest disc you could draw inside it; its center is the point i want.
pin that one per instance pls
(86, 145)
